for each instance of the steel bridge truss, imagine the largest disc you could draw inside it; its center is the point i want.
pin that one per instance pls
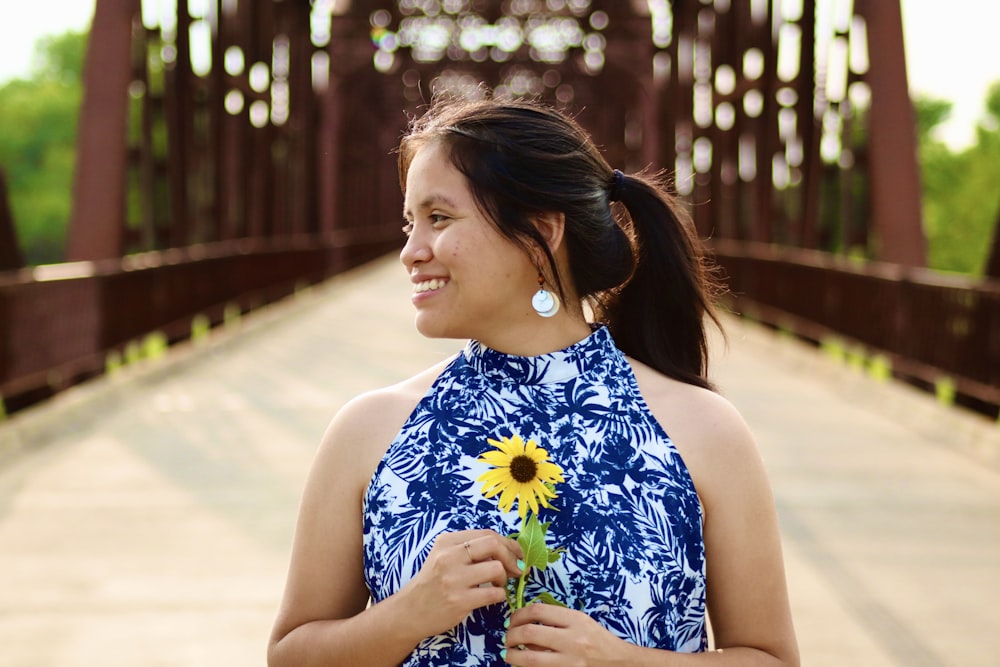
(781, 122)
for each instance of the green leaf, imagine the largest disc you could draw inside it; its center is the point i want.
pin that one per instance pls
(532, 541)
(555, 554)
(546, 598)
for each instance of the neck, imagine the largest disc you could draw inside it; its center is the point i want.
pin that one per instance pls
(539, 336)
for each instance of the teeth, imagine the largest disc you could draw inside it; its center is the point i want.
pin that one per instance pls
(429, 285)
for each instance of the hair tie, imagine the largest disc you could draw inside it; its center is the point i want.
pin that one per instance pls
(614, 194)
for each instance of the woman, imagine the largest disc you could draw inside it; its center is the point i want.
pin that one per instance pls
(587, 348)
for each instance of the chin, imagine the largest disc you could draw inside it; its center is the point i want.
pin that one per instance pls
(430, 327)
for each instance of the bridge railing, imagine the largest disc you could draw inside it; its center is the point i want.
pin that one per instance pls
(933, 328)
(59, 323)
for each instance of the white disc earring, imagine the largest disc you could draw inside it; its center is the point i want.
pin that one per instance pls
(544, 302)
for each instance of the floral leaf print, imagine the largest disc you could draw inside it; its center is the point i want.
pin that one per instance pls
(626, 509)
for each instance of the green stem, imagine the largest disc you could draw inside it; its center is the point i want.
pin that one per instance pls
(519, 598)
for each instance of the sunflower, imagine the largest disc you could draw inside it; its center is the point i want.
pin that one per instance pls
(522, 472)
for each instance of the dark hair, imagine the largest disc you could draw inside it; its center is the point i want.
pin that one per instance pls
(641, 266)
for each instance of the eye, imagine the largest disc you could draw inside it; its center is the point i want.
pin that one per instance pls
(437, 218)
(407, 227)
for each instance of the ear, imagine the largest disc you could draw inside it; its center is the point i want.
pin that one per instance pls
(552, 227)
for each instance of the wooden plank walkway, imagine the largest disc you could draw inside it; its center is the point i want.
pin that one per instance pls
(146, 518)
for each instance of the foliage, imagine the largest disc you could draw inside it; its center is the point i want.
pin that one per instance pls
(960, 194)
(38, 120)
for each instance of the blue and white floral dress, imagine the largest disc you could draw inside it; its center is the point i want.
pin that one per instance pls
(627, 514)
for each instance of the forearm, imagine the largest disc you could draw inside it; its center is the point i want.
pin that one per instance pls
(380, 636)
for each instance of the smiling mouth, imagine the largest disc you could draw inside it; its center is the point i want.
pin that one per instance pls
(429, 285)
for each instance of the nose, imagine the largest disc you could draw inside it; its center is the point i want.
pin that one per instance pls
(416, 249)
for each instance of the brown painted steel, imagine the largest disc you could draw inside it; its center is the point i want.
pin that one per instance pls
(97, 221)
(57, 326)
(927, 325)
(807, 234)
(894, 172)
(10, 250)
(992, 269)
(223, 176)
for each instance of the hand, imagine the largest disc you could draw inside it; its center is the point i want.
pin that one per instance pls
(555, 636)
(465, 570)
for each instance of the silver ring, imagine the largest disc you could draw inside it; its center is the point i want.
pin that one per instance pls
(468, 551)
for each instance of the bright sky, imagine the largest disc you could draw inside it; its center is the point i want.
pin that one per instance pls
(952, 50)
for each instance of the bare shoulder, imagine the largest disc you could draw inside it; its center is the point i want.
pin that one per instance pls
(361, 431)
(697, 416)
(708, 431)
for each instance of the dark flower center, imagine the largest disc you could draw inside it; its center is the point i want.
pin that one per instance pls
(523, 469)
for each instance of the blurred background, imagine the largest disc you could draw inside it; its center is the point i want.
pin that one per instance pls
(843, 157)
(168, 167)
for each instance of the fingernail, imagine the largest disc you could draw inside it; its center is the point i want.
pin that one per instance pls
(506, 622)
(520, 564)
(503, 654)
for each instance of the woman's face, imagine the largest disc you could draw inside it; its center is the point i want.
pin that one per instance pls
(469, 281)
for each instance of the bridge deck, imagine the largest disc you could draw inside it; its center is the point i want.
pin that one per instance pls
(145, 519)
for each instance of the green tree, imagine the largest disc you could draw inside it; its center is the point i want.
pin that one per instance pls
(960, 193)
(38, 118)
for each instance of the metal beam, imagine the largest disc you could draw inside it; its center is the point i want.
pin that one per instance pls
(992, 269)
(10, 251)
(896, 215)
(97, 219)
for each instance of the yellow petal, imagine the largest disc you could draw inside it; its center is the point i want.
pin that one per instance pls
(500, 444)
(544, 492)
(491, 480)
(507, 498)
(512, 446)
(495, 458)
(490, 489)
(494, 476)
(550, 472)
(539, 489)
(532, 502)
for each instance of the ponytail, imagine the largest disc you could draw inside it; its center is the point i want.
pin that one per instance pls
(659, 315)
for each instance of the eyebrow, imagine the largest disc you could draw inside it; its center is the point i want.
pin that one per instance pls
(429, 202)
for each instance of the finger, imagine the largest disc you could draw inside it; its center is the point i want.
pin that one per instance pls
(532, 656)
(488, 538)
(484, 596)
(494, 547)
(535, 637)
(488, 572)
(546, 614)
(458, 537)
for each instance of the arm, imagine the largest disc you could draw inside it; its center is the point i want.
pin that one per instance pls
(747, 597)
(324, 618)
(747, 593)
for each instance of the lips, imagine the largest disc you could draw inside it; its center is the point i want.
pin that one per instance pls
(429, 285)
